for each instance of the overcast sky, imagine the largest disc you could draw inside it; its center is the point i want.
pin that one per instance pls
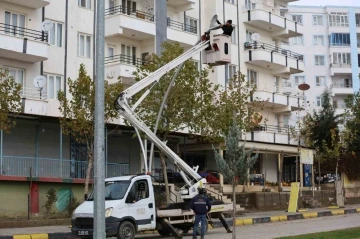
(327, 2)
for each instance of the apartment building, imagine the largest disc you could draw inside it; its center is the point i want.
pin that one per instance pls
(331, 52)
(37, 148)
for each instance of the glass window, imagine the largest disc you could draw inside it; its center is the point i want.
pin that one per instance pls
(85, 3)
(113, 190)
(15, 24)
(252, 76)
(297, 18)
(84, 45)
(319, 40)
(319, 60)
(55, 35)
(191, 24)
(139, 191)
(318, 20)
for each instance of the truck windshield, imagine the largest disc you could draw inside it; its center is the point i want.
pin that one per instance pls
(113, 190)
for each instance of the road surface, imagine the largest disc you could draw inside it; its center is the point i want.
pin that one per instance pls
(259, 231)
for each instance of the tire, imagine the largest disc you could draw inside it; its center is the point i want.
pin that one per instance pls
(126, 231)
(164, 232)
(198, 232)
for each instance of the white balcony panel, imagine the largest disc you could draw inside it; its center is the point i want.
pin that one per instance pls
(182, 5)
(340, 69)
(35, 4)
(16, 48)
(270, 137)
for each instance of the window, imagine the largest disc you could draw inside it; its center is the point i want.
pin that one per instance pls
(17, 74)
(139, 191)
(286, 120)
(320, 80)
(297, 40)
(297, 18)
(341, 58)
(129, 54)
(252, 76)
(299, 80)
(197, 64)
(250, 4)
(318, 102)
(357, 19)
(319, 40)
(54, 85)
(339, 39)
(248, 36)
(55, 35)
(318, 20)
(231, 1)
(85, 4)
(16, 22)
(111, 51)
(232, 71)
(234, 35)
(191, 24)
(84, 45)
(319, 60)
(338, 19)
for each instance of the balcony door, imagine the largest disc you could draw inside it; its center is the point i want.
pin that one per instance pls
(14, 24)
(128, 54)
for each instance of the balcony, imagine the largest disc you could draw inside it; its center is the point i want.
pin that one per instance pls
(279, 24)
(342, 89)
(35, 4)
(135, 24)
(23, 44)
(54, 168)
(35, 104)
(340, 69)
(121, 66)
(280, 99)
(182, 5)
(281, 62)
(271, 134)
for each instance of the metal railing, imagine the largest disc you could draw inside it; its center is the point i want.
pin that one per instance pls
(273, 128)
(285, 89)
(124, 59)
(33, 94)
(149, 17)
(341, 85)
(272, 48)
(54, 168)
(256, 5)
(17, 31)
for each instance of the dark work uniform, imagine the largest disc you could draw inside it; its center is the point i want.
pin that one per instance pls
(227, 30)
(200, 204)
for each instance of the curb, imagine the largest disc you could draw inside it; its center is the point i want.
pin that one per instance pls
(216, 224)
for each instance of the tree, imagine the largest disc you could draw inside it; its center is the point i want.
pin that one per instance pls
(237, 163)
(187, 103)
(321, 131)
(79, 112)
(10, 100)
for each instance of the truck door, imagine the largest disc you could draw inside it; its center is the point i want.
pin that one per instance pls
(141, 204)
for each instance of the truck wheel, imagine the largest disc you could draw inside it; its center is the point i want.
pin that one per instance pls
(126, 230)
(164, 232)
(198, 232)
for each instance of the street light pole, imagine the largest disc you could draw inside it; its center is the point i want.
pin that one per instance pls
(99, 136)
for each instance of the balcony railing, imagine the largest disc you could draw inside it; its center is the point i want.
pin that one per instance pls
(149, 17)
(33, 94)
(261, 6)
(342, 85)
(124, 59)
(54, 168)
(339, 65)
(273, 129)
(285, 89)
(23, 32)
(272, 48)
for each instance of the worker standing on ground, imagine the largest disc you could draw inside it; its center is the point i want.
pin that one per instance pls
(200, 204)
(227, 28)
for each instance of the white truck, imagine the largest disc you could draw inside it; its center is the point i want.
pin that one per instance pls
(130, 200)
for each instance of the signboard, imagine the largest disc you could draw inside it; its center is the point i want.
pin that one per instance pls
(306, 156)
(294, 196)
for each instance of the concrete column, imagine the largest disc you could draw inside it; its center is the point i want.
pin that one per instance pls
(161, 24)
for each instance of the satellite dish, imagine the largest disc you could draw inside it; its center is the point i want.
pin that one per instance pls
(39, 81)
(255, 37)
(47, 25)
(213, 22)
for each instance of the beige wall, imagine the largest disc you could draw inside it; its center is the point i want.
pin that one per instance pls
(13, 198)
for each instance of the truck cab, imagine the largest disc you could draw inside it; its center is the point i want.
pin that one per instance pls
(129, 208)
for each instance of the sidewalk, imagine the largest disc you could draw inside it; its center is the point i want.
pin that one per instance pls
(246, 219)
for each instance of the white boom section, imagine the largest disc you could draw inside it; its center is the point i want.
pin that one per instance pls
(129, 114)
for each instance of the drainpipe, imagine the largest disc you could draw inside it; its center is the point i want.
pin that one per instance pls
(66, 45)
(61, 153)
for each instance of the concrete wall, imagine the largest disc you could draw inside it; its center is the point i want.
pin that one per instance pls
(13, 198)
(271, 167)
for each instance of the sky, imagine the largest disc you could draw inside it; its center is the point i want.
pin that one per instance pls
(327, 2)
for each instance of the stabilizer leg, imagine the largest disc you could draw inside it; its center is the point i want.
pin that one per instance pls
(223, 221)
(166, 224)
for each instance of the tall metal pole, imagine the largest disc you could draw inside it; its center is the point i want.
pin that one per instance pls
(1, 152)
(99, 148)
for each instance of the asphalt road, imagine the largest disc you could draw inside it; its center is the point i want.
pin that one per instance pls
(288, 228)
(259, 231)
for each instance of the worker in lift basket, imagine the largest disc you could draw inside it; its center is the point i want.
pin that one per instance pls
(227, 28)
(200, 204)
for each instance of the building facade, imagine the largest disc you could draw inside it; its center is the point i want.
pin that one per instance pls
(331, 55)
(37, 148)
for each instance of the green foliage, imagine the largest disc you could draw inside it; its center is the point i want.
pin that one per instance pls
(321, 132)
(79, 112)
(51, 198)
(10, 100)
(238, 161)
(73, 204)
